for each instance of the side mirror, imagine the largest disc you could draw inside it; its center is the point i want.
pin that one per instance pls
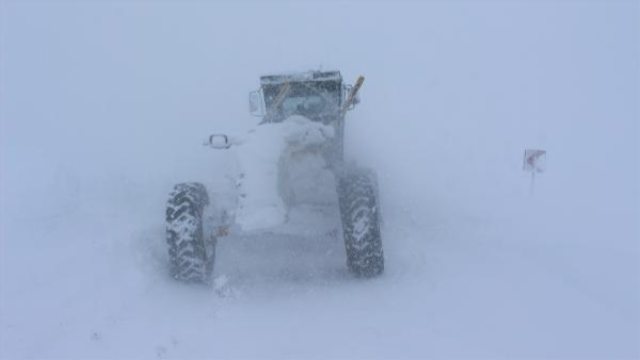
(218, 141)
(255, 103)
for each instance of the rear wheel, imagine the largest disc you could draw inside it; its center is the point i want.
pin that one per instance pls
(191, 254)
(360, 213)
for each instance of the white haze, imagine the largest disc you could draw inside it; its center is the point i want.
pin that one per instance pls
(104, 106)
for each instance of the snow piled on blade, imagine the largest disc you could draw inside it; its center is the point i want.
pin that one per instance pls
(261, 157)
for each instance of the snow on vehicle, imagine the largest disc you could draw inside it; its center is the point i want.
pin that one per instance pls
(291, 168)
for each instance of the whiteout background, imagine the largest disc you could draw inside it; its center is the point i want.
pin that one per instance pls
(104, 105)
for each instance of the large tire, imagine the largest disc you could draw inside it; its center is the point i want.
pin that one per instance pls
(360, 214)
(191, 255)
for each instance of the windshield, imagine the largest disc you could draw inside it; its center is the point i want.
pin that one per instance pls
(315, 100)
(307, 105)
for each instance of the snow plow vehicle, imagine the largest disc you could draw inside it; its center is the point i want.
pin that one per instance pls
(292, 163)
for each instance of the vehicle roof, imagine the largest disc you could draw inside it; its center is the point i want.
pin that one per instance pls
(300, 77)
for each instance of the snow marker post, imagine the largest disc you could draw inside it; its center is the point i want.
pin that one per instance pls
(534, 161)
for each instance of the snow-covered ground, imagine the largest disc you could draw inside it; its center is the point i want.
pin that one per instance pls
(104, 106)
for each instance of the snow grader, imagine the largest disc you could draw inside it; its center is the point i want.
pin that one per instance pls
(293, 159)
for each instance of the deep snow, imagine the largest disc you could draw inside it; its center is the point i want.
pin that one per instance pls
(103, 106)
(277, 156)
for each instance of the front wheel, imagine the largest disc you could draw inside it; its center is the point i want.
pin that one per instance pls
(191, 255)
(360, 215)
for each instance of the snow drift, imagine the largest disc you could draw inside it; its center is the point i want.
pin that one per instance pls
(278, 156)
